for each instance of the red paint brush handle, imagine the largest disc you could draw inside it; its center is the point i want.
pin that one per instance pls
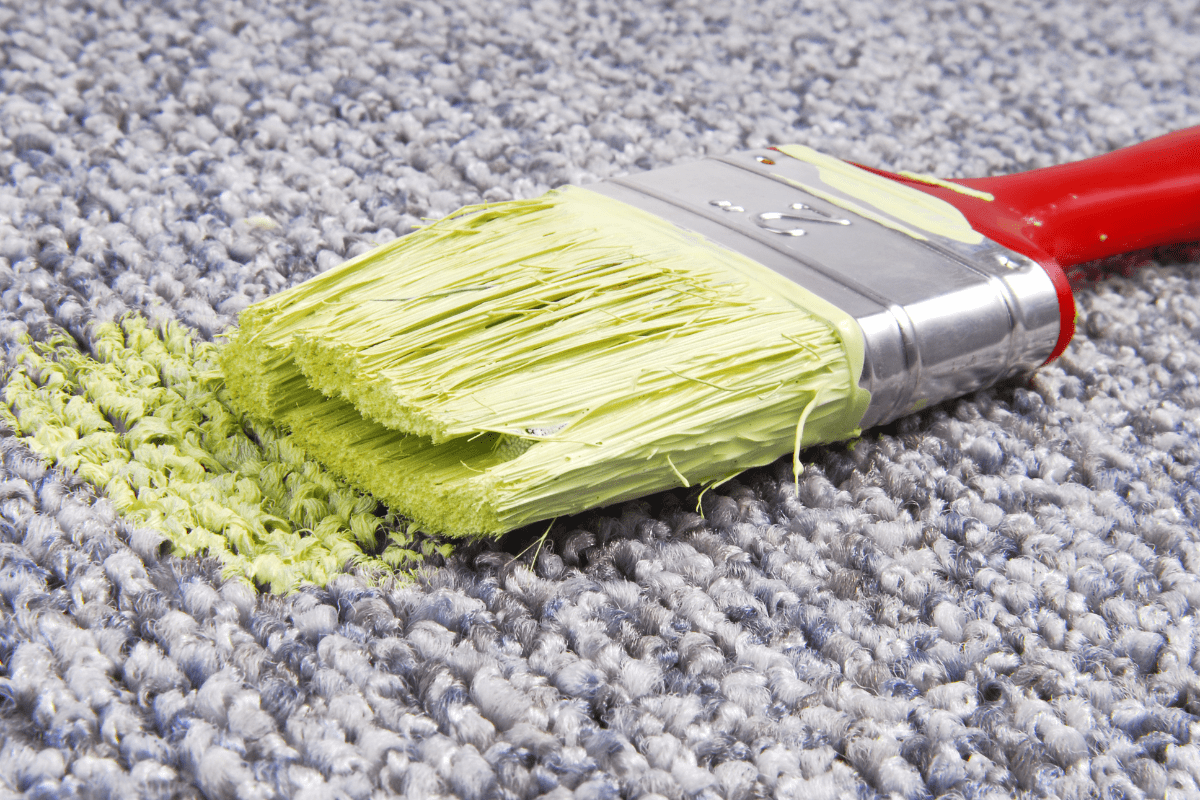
(1142, 196)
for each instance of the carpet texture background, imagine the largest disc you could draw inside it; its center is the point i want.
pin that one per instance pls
(995, 597)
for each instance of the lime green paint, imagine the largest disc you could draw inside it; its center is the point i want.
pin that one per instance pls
(148, 423)
(517, 362)
(909, 206)
(951, 185)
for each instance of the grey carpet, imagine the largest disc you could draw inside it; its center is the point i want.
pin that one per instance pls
(992, 598)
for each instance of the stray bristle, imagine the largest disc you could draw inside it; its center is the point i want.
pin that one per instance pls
(520, 361)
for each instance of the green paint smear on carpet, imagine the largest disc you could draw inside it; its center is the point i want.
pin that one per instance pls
(150, 425)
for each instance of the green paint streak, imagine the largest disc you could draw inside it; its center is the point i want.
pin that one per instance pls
(904, 203)
(987, 197)
(542, 357)
(150, 424)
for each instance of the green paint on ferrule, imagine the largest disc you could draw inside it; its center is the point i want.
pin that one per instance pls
(526, 360)
(150, 424)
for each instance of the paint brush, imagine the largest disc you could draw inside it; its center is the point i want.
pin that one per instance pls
(519, 361)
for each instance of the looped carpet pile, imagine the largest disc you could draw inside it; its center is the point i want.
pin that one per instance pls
(993, 598)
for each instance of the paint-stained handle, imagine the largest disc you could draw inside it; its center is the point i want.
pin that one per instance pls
(1138, 197)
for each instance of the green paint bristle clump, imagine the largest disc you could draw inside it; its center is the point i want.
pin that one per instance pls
(149, 423)
(516, 362)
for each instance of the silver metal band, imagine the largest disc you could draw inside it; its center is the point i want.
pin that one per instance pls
(939, 318)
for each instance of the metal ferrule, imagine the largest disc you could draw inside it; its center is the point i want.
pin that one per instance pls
(939, 318)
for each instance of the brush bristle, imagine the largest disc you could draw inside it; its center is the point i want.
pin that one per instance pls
(516, 362)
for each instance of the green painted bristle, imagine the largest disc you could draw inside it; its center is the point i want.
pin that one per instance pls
(517, 362)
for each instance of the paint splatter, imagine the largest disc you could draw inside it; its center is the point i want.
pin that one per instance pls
(149, 424)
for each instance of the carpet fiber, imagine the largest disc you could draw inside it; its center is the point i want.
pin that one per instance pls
(991, 598)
